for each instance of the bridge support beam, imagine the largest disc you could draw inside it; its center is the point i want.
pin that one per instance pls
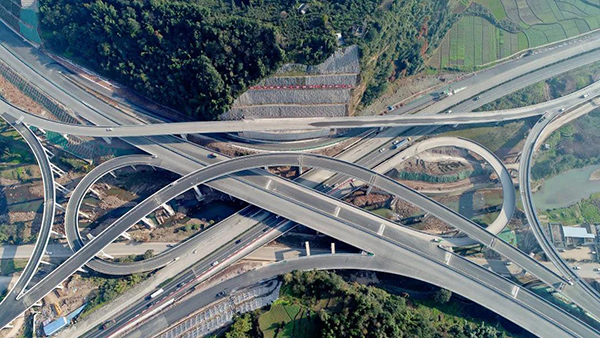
(307, 246)
(84, 215)
(198, 194)
(168, 209)
(148, 222)
(112, 174)
(126, 236)
(332, 248)
(62, 188)
(95, 192)
(107, 140)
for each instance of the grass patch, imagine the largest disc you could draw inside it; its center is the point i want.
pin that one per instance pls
(511, 27)
(10, 266)
(584, 211)
(495, 138)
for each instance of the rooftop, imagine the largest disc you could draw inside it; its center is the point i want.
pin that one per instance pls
(576, 232)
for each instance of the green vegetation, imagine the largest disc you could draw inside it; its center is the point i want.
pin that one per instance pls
(110, 288)
(10, 266)
(322, 304)
(585, 211)
(496, 138)
(197, 56)
(425, 177)
(13, 149)
(74, 164)
(569, 147)
(550, 89)
(136, 258)
(16, 233)
(489, 30)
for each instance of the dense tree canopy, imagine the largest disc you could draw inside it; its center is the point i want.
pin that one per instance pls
(198, 56)
(172, 51)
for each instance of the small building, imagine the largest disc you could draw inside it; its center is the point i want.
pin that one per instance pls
(575, 236)
(303, 8)
(55, 326)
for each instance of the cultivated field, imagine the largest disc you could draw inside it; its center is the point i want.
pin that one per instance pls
(477, 40)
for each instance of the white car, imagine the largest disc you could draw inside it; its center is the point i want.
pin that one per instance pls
(109, 129)
(381, 150)
(215, 263)
(576, 268)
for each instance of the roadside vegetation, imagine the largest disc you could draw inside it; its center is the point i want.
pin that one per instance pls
(489, 30)
(569, 147)
(323, 304)
(18, 173)
(585, 211)
(553, 88)
(198, 56)
(109, 288)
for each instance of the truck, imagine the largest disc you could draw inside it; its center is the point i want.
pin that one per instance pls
(449, 92)
(399, 143)
(156, 293)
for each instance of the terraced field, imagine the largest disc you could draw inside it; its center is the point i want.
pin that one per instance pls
(477, 40)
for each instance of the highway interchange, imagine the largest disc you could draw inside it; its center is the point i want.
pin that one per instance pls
(307, 206)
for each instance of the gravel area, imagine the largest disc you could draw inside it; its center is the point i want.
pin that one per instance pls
(285, 111)
(292, 96)
(343, 61)
(344, 79)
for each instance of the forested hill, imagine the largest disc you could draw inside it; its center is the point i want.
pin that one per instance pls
(198, 56)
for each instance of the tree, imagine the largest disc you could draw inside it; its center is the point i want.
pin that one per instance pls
(442, 296)
(240, 327)
(149, 254)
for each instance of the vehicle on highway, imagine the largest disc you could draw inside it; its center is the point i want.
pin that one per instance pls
(561, 110)
(381, 150)
(476, 97)
(390, 108)
(449, 111)
(238, 241)
(596, 269)
(397, 143)
(195, 250)
(108, 324)
(215, 263)
(221, 294)
(585, 96)
(156, 293)
(212, 155)
(577, 268)
(508, 263)
(109, 129)
(437, 240)
(48, 253)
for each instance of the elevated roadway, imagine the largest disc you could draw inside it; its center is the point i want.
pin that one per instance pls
(329, 224)
(138, 130)
(142, 142)
(521, 307)
(72, 217)
(48, 207)
(581, 292)
(76, 242)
